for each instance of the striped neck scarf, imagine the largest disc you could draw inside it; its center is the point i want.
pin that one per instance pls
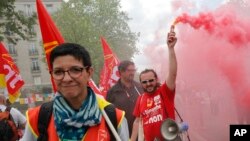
(72, 124)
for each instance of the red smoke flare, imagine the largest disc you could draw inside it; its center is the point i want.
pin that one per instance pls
(212, 25)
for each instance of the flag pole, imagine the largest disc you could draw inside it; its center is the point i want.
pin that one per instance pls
(111, 127)
(117, 137)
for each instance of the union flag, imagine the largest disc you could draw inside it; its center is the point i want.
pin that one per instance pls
(109, 74)
(10, 79)
(50, 34)
(52, 37)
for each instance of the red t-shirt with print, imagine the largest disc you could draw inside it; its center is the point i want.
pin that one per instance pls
(154, 109)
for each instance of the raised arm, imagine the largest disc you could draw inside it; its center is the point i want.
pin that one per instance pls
(171, 41)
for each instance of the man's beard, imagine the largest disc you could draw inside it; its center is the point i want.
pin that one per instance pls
(150, 89)
(129, 79)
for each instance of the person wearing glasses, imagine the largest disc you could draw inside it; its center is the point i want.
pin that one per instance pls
(126, 91)
(157, 102)
(77, 112)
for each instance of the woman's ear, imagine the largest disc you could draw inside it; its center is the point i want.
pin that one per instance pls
(90, 71)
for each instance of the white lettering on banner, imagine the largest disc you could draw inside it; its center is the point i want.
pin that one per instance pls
(10, 74)
(155, 119)
(15, 80)
(114, 77)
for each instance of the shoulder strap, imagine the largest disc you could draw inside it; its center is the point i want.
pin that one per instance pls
(8, 108)
(110, 110)
(43, 120)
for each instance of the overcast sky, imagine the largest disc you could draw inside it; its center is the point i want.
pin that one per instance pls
(153, 19)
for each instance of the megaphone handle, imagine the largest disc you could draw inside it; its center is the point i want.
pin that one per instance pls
(188, 136)
(182, 121)
(178, 114)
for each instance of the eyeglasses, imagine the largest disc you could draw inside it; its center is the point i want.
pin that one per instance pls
(74, 72)
(146, 81)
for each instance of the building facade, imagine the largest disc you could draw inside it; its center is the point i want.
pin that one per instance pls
(29, 54)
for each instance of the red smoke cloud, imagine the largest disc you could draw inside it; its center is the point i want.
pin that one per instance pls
(213, 52)
(225, 26)
(228, 28)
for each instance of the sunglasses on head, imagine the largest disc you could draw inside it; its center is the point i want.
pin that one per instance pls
(146, 81)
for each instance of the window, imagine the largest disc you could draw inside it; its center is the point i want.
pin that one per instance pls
(49, 7)
(32, 49)
(12, 49)
(35, 65)
(28, 10)
(32, 32)
(15, 61)
(37, 80)
(8, 32)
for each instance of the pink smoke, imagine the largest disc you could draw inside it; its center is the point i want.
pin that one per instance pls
(235, 36)
(222, 25)
(213, 52)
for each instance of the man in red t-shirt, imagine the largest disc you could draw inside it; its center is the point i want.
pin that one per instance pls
(157, 102)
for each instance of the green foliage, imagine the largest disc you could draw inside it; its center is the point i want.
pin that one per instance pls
(14, 25)
(85, 21)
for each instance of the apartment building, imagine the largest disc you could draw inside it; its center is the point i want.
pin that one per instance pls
(29, 55)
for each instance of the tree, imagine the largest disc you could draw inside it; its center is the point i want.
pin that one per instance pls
(85, 21)
(15, 25)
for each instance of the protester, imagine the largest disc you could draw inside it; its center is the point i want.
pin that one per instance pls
(126, 91)
(15, 115)
(157, 103)
(77, 111)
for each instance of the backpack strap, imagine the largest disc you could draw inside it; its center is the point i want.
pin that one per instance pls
(8, 108)
(110, 110)
(43, 120)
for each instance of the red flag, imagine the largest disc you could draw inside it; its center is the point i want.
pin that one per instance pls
(10, 79)
(52, 37)
(50, 34)
(109, 74)
(92, 84)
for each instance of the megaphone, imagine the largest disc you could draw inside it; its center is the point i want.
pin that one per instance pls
(170, 130)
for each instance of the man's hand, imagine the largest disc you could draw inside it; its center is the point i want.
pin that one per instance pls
(171, 39)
